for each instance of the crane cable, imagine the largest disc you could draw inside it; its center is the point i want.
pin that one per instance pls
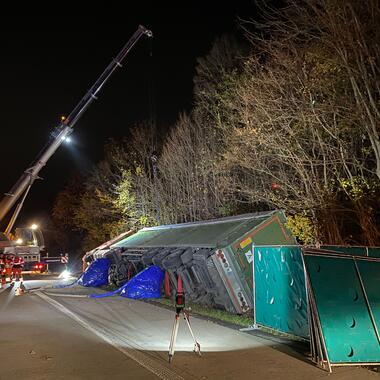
(151, 90)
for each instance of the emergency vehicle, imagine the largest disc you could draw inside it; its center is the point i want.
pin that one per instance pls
(11, 267)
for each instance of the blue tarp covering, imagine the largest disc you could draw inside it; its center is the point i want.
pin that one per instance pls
(146, 284)
(96, 274)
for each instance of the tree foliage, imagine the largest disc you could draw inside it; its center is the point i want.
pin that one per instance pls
(289, 119)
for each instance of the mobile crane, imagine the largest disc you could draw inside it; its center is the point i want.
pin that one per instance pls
(22, 187)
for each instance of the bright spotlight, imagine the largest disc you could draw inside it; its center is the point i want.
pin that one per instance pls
(19, 241)
(34, 226)
(65, 274)
(66, 139)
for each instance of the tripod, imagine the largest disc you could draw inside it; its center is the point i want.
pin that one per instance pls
(180, 308)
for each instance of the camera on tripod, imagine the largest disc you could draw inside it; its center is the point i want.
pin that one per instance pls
(179, 302)
(180, 308)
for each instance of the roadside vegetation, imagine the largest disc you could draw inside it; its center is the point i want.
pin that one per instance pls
(213, 314)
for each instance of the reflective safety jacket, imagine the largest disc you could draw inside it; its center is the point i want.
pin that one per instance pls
(18, 260)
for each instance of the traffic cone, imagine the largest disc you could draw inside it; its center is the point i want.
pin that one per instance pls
(167, 285)
(20, 290)
(179, 285)
(22, 287)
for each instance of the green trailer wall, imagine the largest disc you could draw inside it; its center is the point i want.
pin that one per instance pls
(270, 232)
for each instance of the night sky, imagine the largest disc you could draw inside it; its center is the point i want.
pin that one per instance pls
(48, 65)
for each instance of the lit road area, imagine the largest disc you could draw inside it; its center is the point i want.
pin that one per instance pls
(63, 334)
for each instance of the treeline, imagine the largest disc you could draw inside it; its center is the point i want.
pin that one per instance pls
(289, 119)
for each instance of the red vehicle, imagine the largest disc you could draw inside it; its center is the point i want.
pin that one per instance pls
(39, 267)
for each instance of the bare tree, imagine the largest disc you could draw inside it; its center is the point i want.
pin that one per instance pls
(299, 136)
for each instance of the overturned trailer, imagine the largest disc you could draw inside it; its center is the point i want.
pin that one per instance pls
(104, 250)
(213, 258)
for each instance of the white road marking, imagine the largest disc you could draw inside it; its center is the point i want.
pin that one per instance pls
(7, 287)
(66, 295)
(144, 360)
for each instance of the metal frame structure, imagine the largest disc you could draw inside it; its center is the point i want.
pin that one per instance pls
(317, 342)
(318, 347)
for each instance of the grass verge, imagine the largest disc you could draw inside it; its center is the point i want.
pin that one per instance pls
(109, 288)
(220, 315)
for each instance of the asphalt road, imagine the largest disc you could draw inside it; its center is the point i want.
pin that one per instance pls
(63, 334)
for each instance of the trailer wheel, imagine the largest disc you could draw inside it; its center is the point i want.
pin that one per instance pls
(121, 273)
(112, 270)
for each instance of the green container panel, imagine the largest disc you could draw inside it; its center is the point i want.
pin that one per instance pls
(280, 293)
(273, 234)
(270, 232)
(138, 239)
(346, 324)
(374, 252)
(238, 231)
(355, 251)
(370, 275)
(214, 234)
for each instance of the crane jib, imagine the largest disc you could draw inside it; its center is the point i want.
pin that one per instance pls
(66, 127)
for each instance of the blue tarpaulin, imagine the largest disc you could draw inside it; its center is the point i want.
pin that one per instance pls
(96, 274)
(146, 284)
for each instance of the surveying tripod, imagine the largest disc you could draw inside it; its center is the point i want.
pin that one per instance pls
(180, 308)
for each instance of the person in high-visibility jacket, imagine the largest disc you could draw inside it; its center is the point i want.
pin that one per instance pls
(8, 263)
(17, 266)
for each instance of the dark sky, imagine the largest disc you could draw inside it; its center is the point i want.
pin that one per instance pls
(47, 65)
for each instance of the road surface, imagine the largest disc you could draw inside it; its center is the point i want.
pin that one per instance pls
(63, 334)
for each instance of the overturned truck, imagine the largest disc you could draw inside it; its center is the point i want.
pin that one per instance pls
(213, 258)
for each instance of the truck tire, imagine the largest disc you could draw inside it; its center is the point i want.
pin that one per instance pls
(112, 274)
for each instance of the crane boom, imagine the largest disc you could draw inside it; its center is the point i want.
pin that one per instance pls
(64, 129)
